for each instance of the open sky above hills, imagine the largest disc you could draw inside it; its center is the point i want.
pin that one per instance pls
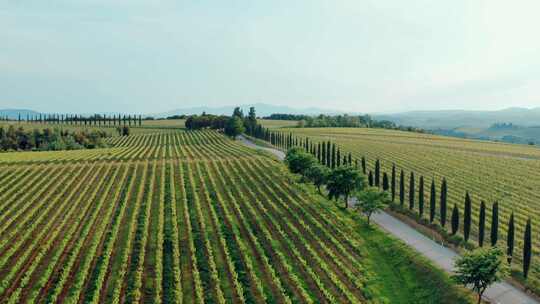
(368, 56)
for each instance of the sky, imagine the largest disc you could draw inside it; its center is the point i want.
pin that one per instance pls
(144, 56)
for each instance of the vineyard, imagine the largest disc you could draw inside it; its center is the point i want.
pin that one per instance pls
(188, 217)
(492, 172)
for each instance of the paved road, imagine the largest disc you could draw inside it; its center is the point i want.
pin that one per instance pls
(500, 293)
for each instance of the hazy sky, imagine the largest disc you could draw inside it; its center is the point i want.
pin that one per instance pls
(366, 56)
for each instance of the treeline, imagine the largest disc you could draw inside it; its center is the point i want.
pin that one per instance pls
(75, 119)
(329, 155)
(18, 139)
(232, 126)
(352, 121)
(279, 116)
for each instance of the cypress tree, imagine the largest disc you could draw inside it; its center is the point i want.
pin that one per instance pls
(350, 159)
(510, 239)
(385, 184)
(319, 152)
(377, 173)
(421, 197)
(328, 155)
(323, 154)
(364, 165)
(401, 188)
(393, 183)
(338, 158)
(345, 163)
(411, 191)
(495, 224)
(455, 220)
(432, 202)
(481, 224)
(370, 178)
(467, 217)
(527, 247)
(333, 162)
(356, 163)
(442, 206)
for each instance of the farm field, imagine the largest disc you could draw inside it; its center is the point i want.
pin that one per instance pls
(189, 217)
(490, 171)
(270, 123)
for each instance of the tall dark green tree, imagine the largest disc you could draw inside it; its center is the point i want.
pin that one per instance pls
(349, 159)
(370, 178)
(421, 197)
(323, 154)
(402, 188)
(393, 183)
(510, 239)
(385, 185)
(411, 191)
(481, 223)
(432, 201)
(467, 217)
(495, 224)
(328, 155)
(333, 161)
(319, 152)
(338, 158)
(527, 247)
(364, 165)
(377, 173)
(455, 220)
(442, 212)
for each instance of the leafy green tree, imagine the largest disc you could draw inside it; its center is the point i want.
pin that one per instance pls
(467, 217)
(527, 248)
(442, 206)
(411, 191)
(343, 181)
(371, 201)
(318, 175)
(370, 178)
(432, 202)
(495, 224)
(393, 183)
(481, 223)
(385, 184)
(299, 161)
(237, 113)
(510, 239)
(455, 220)
(480, 269)
(234, 127)
(402, 188)
(421, 197)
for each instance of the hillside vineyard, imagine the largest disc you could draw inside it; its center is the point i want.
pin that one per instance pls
(174, 217)
(488, 171)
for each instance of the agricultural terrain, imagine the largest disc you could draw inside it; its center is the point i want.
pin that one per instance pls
(178, 216)
(506, 173)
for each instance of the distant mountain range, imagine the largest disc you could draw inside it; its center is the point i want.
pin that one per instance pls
(262, 109)
(462, 118)
(14, 113)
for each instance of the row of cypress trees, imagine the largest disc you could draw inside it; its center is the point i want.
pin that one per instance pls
(330, 155)
(74, 119)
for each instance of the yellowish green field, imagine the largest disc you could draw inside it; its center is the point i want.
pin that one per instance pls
(509, 174)
(190, 217)
(267, 123)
